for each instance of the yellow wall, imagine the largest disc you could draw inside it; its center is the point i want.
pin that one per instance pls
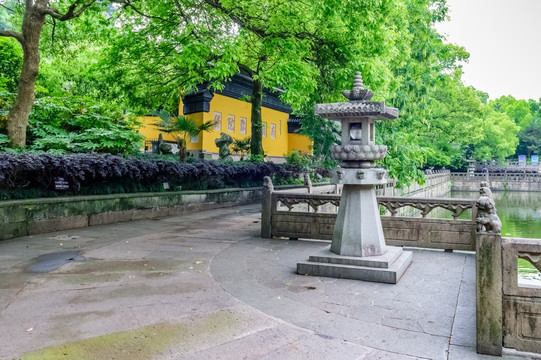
(238, 109)
(199, 118)
(150, 131)
(280, 145)
(300, 143)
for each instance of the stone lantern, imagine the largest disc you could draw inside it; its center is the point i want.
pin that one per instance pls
(358, 249)
(471, 167)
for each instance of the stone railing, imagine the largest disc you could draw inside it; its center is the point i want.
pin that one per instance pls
(426, 205)
(507, 176)
(510, 181)
(302, 215)
(387, 189)
(508, 313)
(508, 310)
(437, 173)
(437, 183)
(509, 164)
(521, 301)
(519, 164)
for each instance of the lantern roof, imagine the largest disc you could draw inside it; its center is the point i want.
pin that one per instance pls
(358, 105)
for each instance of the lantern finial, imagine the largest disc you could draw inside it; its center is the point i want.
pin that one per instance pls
(358, 93)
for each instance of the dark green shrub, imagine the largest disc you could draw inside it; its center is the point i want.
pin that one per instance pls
(32, 175)
(166, 148)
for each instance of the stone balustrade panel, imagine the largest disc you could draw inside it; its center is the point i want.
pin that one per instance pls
(429, 233)
(312, 216)
(521, 302)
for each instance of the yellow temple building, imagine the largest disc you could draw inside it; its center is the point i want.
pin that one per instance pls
(232, 115)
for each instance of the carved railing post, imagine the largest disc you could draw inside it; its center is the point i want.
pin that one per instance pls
(488, 253)
(266, 208)
(308, 183)
(308, 186)
(489, 292)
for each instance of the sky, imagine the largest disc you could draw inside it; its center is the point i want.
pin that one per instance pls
(503, 38)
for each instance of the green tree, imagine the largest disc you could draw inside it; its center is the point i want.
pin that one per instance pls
(518, 110)
(35, 13)
(425, 86)
(429, 59)
(403, 161)
(323, 134)
(378, 44)
(530, 139)
(452, 123)
(75, 70)
(291, 45)
(5, 24)
(11, 59)
(499, 137)
(73, 54)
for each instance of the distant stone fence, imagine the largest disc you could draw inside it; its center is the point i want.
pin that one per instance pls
(508, 181)
(438, 183)
(508, 312)
(514, 165)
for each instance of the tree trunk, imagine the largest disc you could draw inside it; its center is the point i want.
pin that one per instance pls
(18, 116)
(181, 143)
(257, 124)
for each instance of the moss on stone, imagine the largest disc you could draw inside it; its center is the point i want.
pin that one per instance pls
(152, 341)
(90, 278)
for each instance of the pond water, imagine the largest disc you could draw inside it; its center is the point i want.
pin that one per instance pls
(520, 214)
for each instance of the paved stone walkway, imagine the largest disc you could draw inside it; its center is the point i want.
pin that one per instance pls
(206, 286)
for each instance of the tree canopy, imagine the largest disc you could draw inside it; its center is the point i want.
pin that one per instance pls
(133, 56)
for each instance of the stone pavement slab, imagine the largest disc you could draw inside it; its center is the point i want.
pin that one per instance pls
(206, 286)
(387, 317)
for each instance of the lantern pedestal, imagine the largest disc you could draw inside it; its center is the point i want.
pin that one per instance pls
(358, 249)
(358, 230)
(387, 268)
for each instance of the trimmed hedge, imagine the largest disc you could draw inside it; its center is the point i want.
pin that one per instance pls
(32, 175)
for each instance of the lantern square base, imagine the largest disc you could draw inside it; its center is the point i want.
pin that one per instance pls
(386, 268)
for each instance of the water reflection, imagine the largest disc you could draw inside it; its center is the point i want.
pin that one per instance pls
(520, 212)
